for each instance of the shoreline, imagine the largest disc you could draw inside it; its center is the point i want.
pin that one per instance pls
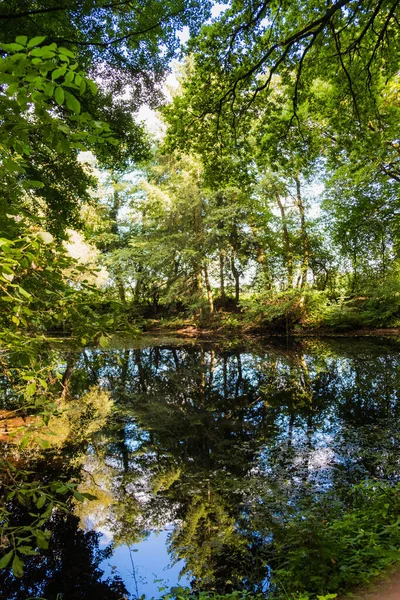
(192, 331)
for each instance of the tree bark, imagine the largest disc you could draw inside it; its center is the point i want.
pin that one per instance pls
(236, 277)
(304, 235)
(222, 274)
(286, 241)
(120, 286)
(209, 290)
(199, 289)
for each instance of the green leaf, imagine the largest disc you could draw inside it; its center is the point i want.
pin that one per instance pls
(13, 47)
(6, 559)
(17, 566)
(30, 389)
(58, 72)
(41, 502)
(103, 341)
(79, 496)
(21, 39)
(89, 496)
(12, 89)
(24, 293)
(49, 89)
(36, 184)
(69, 77)
(35, 41)
(72, 103)
(27, 550)
(59, 95)
(38, 52)
(92, 86)
(44, 444)
(65, 51)
(6, 78)
(24, 442)
(47, 54)
(42, 542)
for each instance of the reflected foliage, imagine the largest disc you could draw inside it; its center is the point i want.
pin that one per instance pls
(238, 446)
(276, 464)
(69, 567)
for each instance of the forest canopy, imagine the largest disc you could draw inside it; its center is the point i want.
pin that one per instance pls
(272, 191)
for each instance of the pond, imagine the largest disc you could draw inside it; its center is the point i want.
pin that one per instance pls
(269, 467)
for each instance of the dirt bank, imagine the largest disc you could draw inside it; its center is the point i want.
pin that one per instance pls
(389, 589)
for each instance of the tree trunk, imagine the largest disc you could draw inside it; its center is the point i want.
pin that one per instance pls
(221, 274)
(354, 281)
(304, 235)
(138, 285)
(286, 241)
(383, 255)
(199, 289)
(66, 378)
(113, 215)
(199, 283)
(262, 259)
(121, 288)
(236, 277)
(209, 290)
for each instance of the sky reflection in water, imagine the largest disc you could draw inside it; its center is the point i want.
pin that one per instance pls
(228, 427)
(237, 454)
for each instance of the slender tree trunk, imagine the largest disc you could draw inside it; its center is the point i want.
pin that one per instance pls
(113, 214)
(138, 289)
(304, 235)
(121, 287)
(212, 361)
(209, 290)
(286, 241)
(123, 445)
(225, 376)
(239, 378)
(354, 281)
(236, 277)
(199, 288)
(138, 285)
(176, 359)
(66, 378)
(326, 277)
(140, 370)
(262, 259)
(203, 376)
(383, 255)
(222, 274)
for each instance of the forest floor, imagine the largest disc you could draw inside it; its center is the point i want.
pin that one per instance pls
(388, 589)
(192, 330)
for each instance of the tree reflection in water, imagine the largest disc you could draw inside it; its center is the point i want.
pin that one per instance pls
(251, 453)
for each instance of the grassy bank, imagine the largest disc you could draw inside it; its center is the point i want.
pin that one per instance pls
(286, 313)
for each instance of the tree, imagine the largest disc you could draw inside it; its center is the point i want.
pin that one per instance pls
(123, 42)
(349, 41)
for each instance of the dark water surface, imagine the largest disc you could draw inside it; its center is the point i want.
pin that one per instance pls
(222, 462)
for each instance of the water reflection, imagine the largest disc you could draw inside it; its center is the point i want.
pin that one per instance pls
(234, 450)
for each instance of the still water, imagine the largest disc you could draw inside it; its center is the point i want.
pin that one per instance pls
(217, 466)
